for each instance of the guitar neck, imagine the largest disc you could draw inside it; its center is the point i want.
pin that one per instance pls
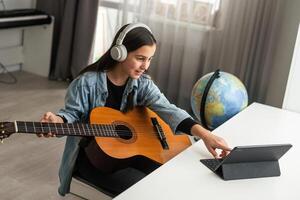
(68, 129)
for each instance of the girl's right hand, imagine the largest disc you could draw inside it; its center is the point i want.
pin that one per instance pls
(51, 118)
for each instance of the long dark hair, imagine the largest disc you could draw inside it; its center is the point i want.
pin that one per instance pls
(133, 40)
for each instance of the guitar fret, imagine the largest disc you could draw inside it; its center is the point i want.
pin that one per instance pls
(78, 128)
(74, 133)
(75, 129)
(29, 127)
(96, 132)
(25, 127)
(19, 126)
(92, 129)
(46, 127)
(82, 132)
(83, 129)
(96, 129)
(106, 130)
(115, 132)
(68, 128)
(37, 127)
(63, 131)
(42, 127)
(88, 129)
(110, 131)
(33, 127)
(55, 126)
(102, 130)
(49, 128)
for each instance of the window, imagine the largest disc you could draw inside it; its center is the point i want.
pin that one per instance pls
(112, 13)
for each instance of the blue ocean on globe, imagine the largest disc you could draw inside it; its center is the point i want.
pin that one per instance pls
(226, 97)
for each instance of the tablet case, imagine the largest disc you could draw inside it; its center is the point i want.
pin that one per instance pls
(251, 162)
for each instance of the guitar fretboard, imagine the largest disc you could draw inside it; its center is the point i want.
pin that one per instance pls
(71, 129)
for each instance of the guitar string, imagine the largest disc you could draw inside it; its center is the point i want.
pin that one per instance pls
(90, 126)
(85, 126)
(70, 124)
(119, 132)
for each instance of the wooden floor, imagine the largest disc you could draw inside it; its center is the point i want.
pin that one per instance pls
(28, 164)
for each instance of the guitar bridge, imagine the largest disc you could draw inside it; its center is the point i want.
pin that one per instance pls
(160, 133)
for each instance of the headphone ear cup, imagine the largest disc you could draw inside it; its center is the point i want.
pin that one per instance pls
(115, 53)
(118, 53)
(123, 54)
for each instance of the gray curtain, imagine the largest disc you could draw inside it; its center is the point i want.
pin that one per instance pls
(239, 38)
(74, 28)
(245, 44)
(242, 43)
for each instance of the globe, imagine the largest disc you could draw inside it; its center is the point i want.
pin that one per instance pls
(216, 97)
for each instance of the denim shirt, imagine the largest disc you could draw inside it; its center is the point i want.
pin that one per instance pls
(89, 91)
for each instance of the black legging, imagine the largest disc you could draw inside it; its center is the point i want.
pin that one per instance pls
(113, 183)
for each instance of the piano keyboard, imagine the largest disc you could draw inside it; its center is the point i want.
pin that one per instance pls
(23, 17)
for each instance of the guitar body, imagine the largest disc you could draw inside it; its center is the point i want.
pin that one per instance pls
(142, 140)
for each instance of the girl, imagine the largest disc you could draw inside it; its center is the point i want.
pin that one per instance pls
(118, 80)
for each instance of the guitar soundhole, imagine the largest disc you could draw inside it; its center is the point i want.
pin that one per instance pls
(124, 132)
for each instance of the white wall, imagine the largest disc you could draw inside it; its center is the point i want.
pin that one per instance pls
(15, 4)
(284, 53)
(13, 37)
(292, 93)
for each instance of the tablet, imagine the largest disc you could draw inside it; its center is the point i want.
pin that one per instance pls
(249, 161)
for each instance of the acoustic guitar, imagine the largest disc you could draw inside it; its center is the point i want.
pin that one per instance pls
(139, 132)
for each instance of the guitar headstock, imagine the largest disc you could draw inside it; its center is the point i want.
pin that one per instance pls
(6, 129)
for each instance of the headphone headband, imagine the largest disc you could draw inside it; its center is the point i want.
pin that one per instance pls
(119, 52)
(129, 28)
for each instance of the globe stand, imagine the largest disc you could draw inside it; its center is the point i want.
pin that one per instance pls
(204, 96)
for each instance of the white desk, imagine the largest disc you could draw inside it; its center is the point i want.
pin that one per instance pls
(184, 177)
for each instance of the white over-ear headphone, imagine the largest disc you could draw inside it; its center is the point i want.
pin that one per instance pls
(119, 52)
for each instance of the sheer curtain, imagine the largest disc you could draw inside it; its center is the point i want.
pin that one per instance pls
(199, 36)
(73, 37)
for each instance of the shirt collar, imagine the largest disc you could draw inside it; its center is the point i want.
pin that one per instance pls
(102, 85)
